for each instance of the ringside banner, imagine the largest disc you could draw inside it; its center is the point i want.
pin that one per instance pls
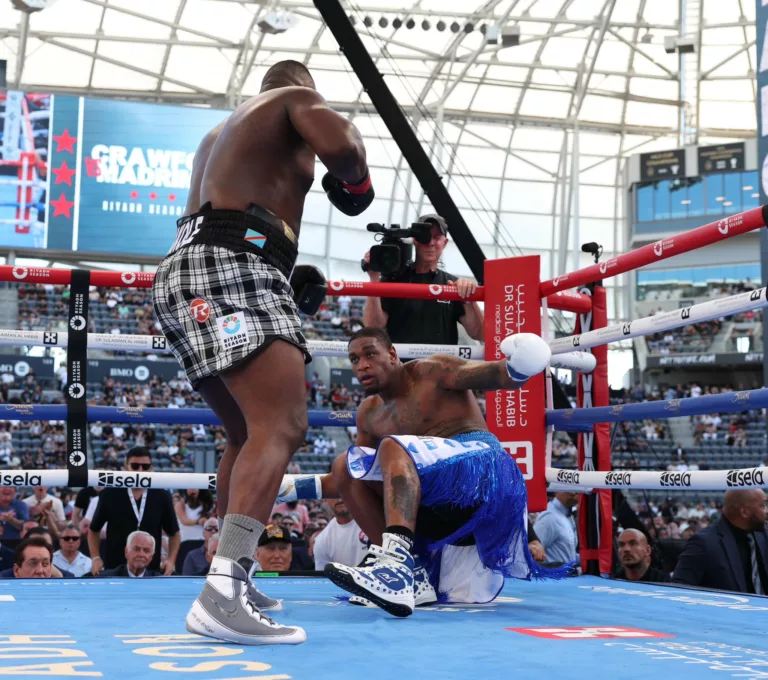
(516, 417)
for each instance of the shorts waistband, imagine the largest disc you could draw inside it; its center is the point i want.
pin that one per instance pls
(255, 230)
(477, 436)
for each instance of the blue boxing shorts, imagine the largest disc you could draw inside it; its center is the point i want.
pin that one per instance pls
(469, 477)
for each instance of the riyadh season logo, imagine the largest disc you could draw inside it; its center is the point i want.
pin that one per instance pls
(77, 458)
(20, 273)
(77, 323)
(76, 390)
(231, 324)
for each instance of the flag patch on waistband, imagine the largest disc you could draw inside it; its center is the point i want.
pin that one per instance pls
(255, 238)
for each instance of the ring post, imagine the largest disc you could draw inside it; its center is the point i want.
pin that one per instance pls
(596, 510)
(517, 417)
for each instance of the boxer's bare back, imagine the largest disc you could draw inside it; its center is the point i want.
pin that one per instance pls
(264, 153)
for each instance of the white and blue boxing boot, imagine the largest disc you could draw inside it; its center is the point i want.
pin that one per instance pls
(424, 593)
(386, 581)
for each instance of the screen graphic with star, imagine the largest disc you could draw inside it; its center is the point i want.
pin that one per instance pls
(24, 151)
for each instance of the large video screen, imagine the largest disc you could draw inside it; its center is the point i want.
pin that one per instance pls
(97, 176)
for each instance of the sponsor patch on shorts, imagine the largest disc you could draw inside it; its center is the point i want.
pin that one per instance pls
(199, 310)
(233, 330)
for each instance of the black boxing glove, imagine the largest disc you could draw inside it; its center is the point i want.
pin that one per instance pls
(351, 199)
(309, 288)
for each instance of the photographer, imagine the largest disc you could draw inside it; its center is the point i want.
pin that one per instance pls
(425, 321)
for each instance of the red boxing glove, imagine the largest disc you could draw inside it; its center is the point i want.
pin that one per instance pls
(351, 199)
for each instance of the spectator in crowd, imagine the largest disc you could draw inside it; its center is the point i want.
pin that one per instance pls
(296, 510)
(28, 526)
(210, 553)
(732, 553)
(341, 541)
(556, 528)
(139, 551)
(192, 510)
(85, 504)
(126, 510)
(13, 512)
(196, 560)
(45, 507)
(426, 321)
(32, 559)
(635, 558)
(534, 544)
(69, 558)
(275, 550)
(6, 556)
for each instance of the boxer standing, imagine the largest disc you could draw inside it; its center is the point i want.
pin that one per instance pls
(224, 301)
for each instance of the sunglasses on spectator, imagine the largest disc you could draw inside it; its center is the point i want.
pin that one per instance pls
(211, 528)
(139, 466)
(70, 538)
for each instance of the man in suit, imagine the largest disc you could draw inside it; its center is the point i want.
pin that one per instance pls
(732, 553)
(139, 550)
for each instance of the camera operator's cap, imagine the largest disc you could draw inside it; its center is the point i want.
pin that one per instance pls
(273, 533)
(437, 221)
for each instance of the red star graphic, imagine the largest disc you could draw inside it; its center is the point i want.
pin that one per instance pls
(152, 196)
(171, 197)
(64, 174)
(62, 206)
(134, 194)
(93, 167)
(65, 142)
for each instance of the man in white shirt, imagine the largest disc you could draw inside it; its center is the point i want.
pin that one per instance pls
(556, 528)
(41, 500)
(342, 541)
(69, 558)
(344, 304)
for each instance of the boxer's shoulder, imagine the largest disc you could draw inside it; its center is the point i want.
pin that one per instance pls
(432, 366)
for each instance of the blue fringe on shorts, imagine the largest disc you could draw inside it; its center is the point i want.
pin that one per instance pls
(488, 478)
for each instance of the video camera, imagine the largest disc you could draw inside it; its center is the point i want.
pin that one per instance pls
(394, 255)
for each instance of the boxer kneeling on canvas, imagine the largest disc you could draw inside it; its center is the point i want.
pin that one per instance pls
(445, 506)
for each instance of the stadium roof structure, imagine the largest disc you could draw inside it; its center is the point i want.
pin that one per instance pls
(495, 90)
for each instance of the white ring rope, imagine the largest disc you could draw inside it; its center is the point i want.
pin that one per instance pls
(704, 480)
(578, 361)
(707, 480)
(704, 311)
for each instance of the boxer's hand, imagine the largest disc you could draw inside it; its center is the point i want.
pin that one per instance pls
(351, 199)
(527, 354)
(309, 288)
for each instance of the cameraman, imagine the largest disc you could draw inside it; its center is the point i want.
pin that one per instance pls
(425, 321)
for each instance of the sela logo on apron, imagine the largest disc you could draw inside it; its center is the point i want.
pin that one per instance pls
(186, 232)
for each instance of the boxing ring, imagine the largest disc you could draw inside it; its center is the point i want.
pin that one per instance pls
(127, 628)
(585, 627)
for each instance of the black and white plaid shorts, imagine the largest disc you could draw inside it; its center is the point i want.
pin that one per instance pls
(217, 307)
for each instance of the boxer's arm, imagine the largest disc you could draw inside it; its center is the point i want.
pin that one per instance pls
(337, 142)
(452, 373)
